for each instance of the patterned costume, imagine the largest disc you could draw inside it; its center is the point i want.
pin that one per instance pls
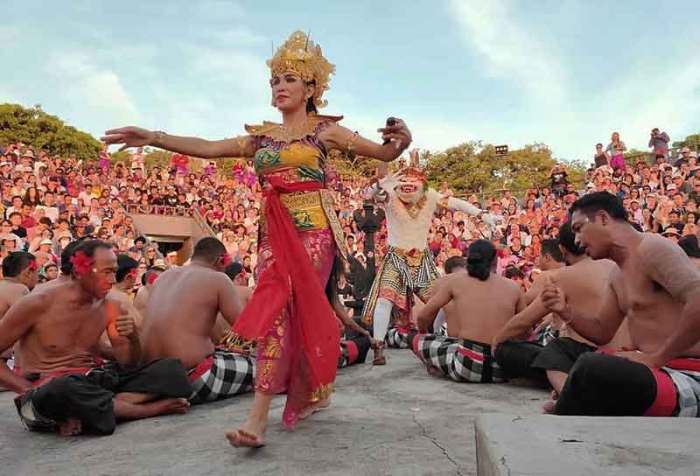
(288, 317)
(408, 267)
(458, 359)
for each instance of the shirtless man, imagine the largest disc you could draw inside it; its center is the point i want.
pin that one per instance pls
(180, 318)
(147, 281)
(484, 302)
(585, 283)
(550, 260)
(61, 383)
(20, 276)
(454, 264)
(122, 291)
(658, 289)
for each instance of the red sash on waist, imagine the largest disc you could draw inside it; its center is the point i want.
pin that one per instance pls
(291, 273)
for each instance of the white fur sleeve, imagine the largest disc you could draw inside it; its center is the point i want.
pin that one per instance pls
(462, 206)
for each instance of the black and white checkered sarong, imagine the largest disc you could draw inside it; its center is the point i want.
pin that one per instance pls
(459, 359)
(398, 337)
(224, 374)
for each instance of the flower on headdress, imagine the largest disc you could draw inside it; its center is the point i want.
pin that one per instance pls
(82, 264)
(33, 265)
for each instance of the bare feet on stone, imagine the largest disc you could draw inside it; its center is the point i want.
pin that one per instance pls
(171, 406)
(250, 435)
(71, 427)
(550, 405)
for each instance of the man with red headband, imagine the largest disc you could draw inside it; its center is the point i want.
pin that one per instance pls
(181, 319)
(408, 268)
(63, 383)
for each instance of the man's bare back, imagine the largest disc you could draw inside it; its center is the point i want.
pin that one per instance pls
(181, 311)
(479, 308)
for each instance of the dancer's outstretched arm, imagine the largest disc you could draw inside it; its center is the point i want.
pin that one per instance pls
(398, 138)
(242, 146)
(458, 204)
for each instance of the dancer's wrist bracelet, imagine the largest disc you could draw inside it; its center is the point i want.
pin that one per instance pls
(158, 139)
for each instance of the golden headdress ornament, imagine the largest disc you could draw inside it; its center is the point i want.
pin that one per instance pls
(302, 56)
(414, 170)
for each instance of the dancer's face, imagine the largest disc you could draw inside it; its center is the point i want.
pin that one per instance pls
(410, 189)
(289, 92)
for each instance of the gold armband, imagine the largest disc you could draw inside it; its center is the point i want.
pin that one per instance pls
(158, 139)
(350, 144)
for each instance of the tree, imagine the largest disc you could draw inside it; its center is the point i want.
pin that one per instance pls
(474, 167)
(692, 142)
(42, 131)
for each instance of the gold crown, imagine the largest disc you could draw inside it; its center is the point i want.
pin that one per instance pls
(302, 56)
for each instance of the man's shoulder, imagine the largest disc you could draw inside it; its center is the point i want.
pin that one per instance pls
(653, 246)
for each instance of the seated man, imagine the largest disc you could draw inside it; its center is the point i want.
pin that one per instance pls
(147, 280)
(355, 340)
(180, 321)
(61, 382)
(19, 270)
(454, 264)
(483, 303)
(658, 289)
(585, 282)
(122, 291)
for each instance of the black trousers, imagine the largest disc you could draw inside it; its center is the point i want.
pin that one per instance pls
(89, 398)
(516, 358)
(605, 385)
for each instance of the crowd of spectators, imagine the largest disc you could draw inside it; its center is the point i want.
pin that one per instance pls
(49, 201)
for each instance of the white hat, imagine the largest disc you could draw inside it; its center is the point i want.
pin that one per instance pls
(45, 242)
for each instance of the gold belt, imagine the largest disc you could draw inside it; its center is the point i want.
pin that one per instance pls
(306, 210)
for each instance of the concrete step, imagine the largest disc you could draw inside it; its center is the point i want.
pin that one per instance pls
(547, 445)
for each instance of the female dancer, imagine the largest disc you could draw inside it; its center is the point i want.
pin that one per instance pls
(288, 315)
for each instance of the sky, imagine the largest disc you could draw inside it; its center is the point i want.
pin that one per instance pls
(563, 72)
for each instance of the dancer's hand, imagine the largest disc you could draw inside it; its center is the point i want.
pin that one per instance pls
(398, 133)
(391, 181)
(129, 136)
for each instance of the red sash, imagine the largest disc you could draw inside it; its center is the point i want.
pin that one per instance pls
(312, 320)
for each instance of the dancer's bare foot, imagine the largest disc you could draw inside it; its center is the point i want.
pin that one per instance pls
(316, 407)
(71, 427)
(169, 406)
(250, 435)
(379, 358)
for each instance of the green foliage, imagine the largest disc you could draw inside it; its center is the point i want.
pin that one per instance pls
(34, 127)
(350, 165)
(692, 142)
(473, 167)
